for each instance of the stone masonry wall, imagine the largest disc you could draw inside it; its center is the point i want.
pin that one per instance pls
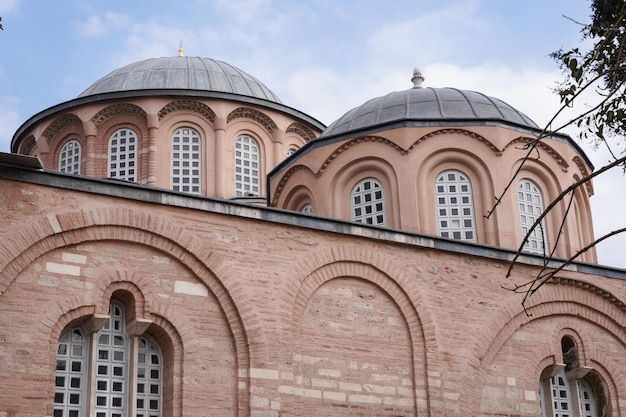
(267, 319)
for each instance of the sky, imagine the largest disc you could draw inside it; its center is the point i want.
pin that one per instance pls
(322, 57)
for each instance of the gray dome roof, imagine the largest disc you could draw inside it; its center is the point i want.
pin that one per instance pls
(427, 107)
(182, 73)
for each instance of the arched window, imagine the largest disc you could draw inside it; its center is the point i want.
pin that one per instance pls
(247, 165)
(112, 373)
(530, 207)
(368, 202)
(454, 206)
(69, 157)
(149, 386)
(307, 209)
(123, 155)
(70, 380)
(186, 161)
(566, 390)
(112, 366)
(291, 151)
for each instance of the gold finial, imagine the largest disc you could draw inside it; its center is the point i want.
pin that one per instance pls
(180, 49)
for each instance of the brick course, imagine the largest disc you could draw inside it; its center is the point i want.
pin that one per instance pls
(266, 318)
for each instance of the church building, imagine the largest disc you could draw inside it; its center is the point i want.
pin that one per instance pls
(177, 242)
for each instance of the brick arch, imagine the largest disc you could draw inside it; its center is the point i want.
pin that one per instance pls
(352, 142)
(252, 114)
(126, 282)
(584, 172)
(301, 130)
(27, 145)
(133, 226)
(115, 109)
(554, 295)
(464, 132)
(189, 106)
(59, 124)
(554, 300)
(600, 372)
(283, 182)
(161, 329)
(363, 264)
(526, 141)
(75, 310)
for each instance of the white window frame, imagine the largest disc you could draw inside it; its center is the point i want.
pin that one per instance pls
(247, 167)
(368, 202)
(70, 392)
(186, 161)
(122, 159)
(118, 366)
(530, 207)
(454, 206)
(561, 397)
(69, 157)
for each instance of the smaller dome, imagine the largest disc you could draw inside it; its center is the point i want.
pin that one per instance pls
(426, 107)
(182, 73)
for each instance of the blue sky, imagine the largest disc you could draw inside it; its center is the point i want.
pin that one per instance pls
(320, 56)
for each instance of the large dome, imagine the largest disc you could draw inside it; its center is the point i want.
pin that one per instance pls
(427, 106)
(182, 73)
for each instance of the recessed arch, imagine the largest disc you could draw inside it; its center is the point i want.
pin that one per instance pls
(357, 170)
(192, 106)
(252, 114)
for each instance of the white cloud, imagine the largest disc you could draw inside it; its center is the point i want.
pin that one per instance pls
(9, 6)
(423, 39)
(99, 26)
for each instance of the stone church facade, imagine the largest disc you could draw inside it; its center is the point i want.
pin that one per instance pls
(177, 242)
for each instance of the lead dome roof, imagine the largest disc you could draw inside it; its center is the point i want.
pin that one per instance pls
(426, 107)
(182, 73)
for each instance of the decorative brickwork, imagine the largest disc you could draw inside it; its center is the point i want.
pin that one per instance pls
(526, 142)
(252, 114)
(301, 130)
(110, 111)
(259, 317)
(188, 106)
(58, 124)
(27, 145)
(463, 132)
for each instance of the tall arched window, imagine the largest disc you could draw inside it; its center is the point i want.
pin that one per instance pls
(112, 373)
(123, 155)
(186, 161)
(368, 202)
(530, 207)
(69, 157)
(149, 386)
(454, 206)
(70, 380)
(247, 165)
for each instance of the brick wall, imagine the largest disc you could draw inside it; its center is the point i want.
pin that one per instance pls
(268, 319)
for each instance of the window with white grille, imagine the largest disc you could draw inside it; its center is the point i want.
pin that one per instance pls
(70, 379)
(186, 166)
(149, 377)
(122, 161)
(112, 366)
(111, 375)
(247, 166)
(454, 206)
(307, 209)
(368, 202)
(69, 157)
(561, 400)
(530, 208)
